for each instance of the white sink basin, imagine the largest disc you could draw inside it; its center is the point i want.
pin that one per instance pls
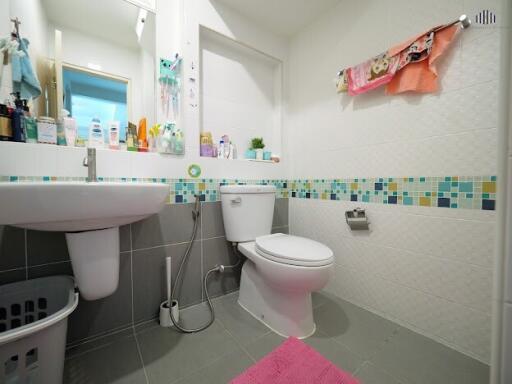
(78, 206)
(90, 214)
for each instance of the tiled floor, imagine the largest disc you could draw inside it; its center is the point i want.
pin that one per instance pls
(375, 350)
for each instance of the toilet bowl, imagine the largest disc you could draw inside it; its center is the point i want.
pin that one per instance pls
(278, 291)
(281, 271)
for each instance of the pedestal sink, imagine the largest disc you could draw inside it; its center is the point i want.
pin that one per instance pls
(90, 214)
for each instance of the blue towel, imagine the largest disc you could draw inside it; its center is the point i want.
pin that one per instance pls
(24, 79)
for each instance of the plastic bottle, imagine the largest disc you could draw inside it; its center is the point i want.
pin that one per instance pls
(96, 139)
(18, 120)
(30, 124)
(5, 123)
(232, 151)
(70, 130)
(221, 150)
(113, 134)
(142, 136)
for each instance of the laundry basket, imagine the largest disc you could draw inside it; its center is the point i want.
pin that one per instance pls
(33, 324)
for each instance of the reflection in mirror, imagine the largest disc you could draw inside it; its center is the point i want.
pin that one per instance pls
(85, 91)
(93, 58)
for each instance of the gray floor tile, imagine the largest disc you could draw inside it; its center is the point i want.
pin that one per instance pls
(263, 345)
(114, 363)
(243, 326)
(337, 353)
(169, 355)
(219, 251)
(361, 331)
(370, 374)
(319, 298)
(99, 342)
(416, 359)
(221, 371)
(196, 316)
(213, 224)
(12, 247)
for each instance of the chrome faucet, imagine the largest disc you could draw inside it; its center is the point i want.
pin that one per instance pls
(90, 163)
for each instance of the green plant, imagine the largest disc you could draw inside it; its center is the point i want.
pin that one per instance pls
(257, 143)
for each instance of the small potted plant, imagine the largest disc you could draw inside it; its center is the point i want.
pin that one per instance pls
(258, 145)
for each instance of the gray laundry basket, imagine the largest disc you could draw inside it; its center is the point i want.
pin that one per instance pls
(33, 324)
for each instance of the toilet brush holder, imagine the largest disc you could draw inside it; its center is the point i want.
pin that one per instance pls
(165, 313)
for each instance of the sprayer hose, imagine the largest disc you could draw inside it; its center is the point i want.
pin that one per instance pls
(177, 284)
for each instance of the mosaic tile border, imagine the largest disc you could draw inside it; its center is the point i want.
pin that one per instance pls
(466, 192)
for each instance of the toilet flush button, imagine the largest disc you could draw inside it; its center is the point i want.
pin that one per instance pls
(236, 200)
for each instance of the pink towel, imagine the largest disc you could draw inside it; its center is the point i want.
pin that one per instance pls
(371, 74)
(294, 362)
(421, 76)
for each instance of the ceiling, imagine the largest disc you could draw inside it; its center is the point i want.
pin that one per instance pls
(282, 17)
(112, 20)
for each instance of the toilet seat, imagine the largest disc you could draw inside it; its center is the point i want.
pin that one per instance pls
(293, 250)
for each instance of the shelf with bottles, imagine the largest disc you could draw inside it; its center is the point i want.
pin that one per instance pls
(18, 125)
(226, 149)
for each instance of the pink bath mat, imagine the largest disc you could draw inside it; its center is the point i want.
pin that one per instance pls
(294, 362)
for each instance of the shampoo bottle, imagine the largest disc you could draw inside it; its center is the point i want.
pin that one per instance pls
(113, 134)
(96, 139)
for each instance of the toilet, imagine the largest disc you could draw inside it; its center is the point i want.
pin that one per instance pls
(281, 271)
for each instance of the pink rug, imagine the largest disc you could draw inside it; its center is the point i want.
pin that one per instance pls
(294, 362)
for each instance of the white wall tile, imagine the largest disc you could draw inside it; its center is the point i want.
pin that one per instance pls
(427, 268)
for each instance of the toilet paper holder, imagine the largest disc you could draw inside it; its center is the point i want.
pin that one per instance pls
(357, 219)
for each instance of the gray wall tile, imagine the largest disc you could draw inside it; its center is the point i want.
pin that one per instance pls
(12, 247)
(285, 230)
(215, 252)
(280, 213)
(12, 276)
(213, 224)
(47, 255)
(98, 316)
(124, 238)
(63, 268)
(172, 225)
(149, 280)
(46, 247)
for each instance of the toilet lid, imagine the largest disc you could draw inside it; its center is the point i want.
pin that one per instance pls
(294, 250)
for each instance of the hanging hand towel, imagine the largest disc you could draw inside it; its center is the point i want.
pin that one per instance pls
(24, 79)
(372, 73)
(421, 75)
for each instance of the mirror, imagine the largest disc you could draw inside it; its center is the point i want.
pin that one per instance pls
(94, 58)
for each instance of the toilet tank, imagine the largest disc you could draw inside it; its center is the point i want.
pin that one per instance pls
(247, 211)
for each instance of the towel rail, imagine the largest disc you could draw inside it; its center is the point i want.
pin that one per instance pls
(464, 21)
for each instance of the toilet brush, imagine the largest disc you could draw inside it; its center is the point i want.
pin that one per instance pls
(165, 308)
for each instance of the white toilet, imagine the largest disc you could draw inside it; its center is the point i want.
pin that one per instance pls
(281, 270)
